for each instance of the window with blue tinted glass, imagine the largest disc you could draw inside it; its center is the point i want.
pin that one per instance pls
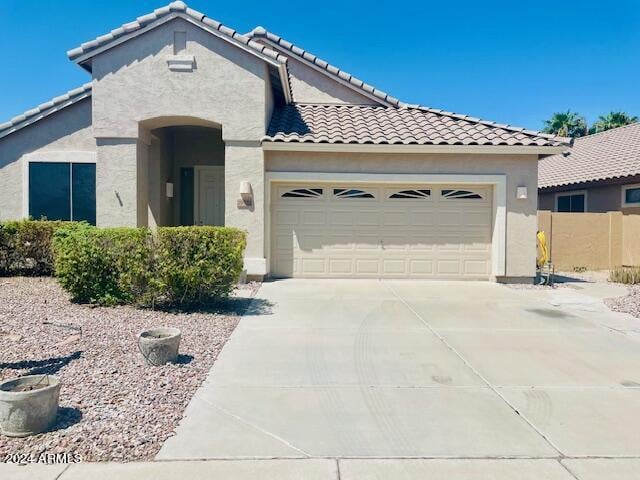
(574, 203)
(83, 192)
(62, 191)
(632, 195)
(50, 190)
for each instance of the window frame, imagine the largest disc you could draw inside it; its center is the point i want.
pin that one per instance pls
(571, 193)
(624, 189)
(70, 157)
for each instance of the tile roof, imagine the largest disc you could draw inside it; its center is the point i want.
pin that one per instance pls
(602, 156)
(331, 70)
(371, 124)
(44, 109)
(174, 8)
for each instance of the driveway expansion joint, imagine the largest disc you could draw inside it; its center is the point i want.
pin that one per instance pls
(476, 372)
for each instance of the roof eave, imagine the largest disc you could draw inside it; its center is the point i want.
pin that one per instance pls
(52, 107)
(269, 145)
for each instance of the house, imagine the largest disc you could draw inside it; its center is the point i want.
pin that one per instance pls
(599, 173)
(185, 121)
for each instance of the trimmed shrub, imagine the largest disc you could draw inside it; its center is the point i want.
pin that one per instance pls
(182, 266)
(105, 265)
(198, 265)
(628, 275)
(25, 246)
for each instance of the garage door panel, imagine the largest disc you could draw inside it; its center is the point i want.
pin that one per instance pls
(395, 219)
(312, 265)
(475, 267)
(367, 266)
(448, 267)
(394, 266)
(424, 236)
(286, 217)
(341, 266)
(368, 218)
(419, 266)
(422, 218)
(313, 217)
(308, 242)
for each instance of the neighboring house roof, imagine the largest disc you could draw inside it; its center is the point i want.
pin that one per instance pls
(371, 124)
(325, 67)
(45, 109)
(607, 155)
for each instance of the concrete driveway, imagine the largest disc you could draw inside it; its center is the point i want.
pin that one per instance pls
(539, 383)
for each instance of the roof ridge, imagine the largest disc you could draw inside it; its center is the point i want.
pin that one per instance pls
(71, 96)
(179, 8)
(261, 32)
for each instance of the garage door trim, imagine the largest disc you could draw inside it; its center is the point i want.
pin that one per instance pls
(498, 240)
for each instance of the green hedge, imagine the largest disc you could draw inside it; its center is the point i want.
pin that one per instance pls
(198, 264)
(180, 266)
(25, 246)
(105, 265)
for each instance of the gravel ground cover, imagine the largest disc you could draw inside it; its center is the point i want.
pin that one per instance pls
(629, 304)
(113, 406)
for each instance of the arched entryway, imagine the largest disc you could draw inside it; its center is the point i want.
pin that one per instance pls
(185, 173)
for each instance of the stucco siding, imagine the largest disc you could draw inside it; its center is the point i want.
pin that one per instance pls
(117, 183)
(602, 199)
(311, 86)
(246, 164)
(520, 170)
(133, 83)
(63, 136)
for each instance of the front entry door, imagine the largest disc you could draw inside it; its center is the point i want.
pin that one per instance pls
(209, 196)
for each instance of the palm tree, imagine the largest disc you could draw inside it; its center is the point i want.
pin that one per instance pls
(612, 120)
(566, 124)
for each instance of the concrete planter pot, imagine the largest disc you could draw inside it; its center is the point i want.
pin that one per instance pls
(160, 345)
(28, 405)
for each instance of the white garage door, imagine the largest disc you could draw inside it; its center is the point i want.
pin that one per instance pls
(369, 230)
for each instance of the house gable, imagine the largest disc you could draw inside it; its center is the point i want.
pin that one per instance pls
(227, 86)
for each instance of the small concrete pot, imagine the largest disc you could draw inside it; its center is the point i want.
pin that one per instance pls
(28, 405)
(160, 345)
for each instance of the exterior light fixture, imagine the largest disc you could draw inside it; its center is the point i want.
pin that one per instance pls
(246, 195)
(169, 189)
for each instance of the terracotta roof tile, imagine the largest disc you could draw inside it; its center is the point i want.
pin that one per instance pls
(611, 154)
(362, 124)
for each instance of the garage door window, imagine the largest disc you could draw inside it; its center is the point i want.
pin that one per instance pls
(351, 193)
(303, 193)
(461, 195)
(411, 194)
(62, 191)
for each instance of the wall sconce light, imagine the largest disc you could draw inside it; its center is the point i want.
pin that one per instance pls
(169, 188)
(246, 195)
(521, 193)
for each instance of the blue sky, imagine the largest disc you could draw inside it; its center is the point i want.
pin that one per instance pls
(508, 61)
